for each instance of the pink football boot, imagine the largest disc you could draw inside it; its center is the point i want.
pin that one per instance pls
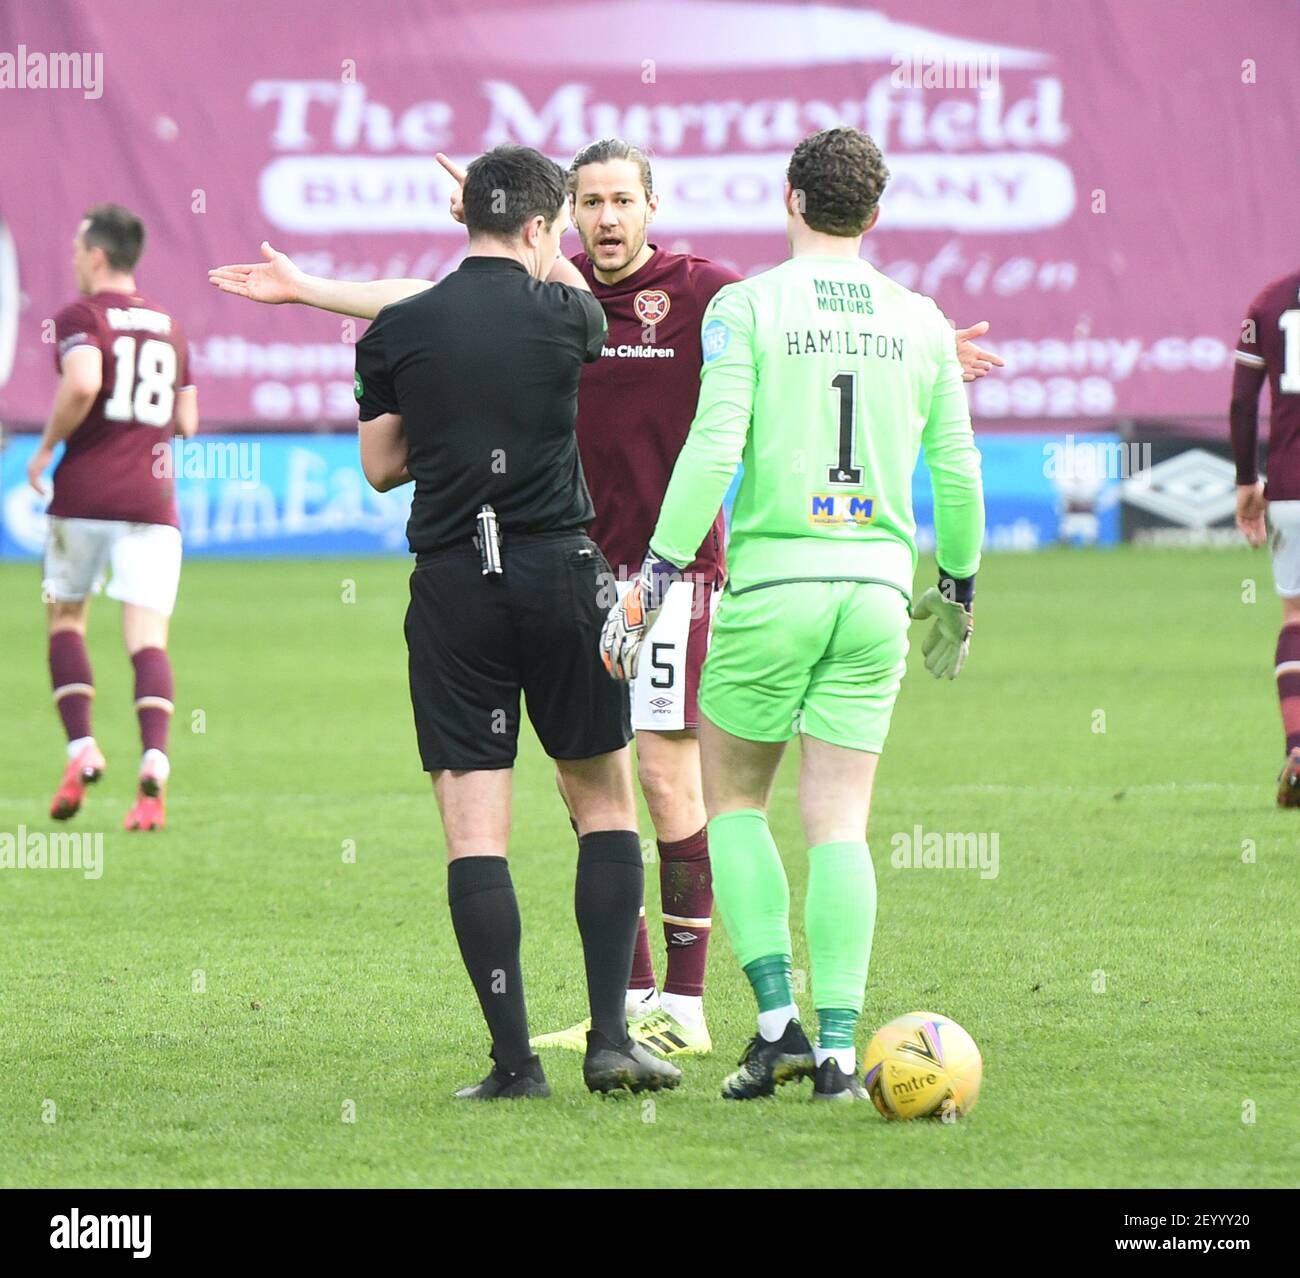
(82, 771)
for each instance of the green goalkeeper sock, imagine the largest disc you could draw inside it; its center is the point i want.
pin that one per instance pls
(753, 898)
(770, 978)
(835, 1026)
(840, 919)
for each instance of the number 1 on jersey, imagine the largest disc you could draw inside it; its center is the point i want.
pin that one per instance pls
(844, 471)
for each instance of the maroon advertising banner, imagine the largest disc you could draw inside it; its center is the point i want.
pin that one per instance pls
(1108, 183)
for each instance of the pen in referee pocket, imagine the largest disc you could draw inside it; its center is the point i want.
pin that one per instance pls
(489, 540)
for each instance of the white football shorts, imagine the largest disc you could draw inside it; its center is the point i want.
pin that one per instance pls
(141, 561)
(665, 693)
(1284, 542)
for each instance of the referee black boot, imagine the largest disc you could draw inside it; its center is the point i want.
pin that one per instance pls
(608, 1067)
(526, 1083)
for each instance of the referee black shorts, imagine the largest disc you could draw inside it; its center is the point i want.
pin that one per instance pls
(476, 641)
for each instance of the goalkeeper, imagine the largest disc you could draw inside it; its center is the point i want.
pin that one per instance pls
(826, 379)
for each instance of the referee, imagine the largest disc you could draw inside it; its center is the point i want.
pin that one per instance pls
(470, 389)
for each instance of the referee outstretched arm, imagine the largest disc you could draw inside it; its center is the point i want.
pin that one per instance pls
(277, 279)
(469, 389)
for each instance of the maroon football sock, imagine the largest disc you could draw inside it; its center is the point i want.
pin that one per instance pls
(153, 696)
(643, 965)
(1288, 683)
(686, 884)
(74, 684)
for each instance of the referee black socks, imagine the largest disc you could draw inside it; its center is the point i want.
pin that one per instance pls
(607, 901)
(485, 916)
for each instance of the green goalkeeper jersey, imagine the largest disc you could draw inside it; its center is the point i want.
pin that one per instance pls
(826, 379)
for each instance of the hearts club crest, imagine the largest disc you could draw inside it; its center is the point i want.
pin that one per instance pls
(651, 305)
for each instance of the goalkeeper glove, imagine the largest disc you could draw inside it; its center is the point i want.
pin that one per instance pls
(952, 605)
(630, 619)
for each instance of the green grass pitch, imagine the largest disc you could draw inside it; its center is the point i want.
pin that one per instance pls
(1130, 973)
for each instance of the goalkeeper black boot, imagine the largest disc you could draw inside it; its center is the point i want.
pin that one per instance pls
(526, 1083)
(610, 1067)
(831, 1083)
(767, 1064)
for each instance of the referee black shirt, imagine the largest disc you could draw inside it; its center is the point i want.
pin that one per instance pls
(484, 370)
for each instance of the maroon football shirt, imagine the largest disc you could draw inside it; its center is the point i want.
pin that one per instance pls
(1273, 351)
(637, 401)
(111, 465)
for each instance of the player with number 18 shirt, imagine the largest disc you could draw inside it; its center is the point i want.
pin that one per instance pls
(124, 391)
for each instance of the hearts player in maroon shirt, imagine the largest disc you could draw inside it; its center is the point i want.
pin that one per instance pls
(1269, 350)
(124, 390)
(635, 406)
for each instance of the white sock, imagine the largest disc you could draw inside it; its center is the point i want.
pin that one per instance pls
(845, 1057)
(77, 746)
(686, 1009)
(156, 764)
(771, 1025)
(640, 1002)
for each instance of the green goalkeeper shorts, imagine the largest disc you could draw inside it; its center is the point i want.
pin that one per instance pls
(821, 657)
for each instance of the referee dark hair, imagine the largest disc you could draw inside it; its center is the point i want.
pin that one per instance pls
(470, 389)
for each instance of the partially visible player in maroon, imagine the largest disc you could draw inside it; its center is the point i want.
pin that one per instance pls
(124, 390)
(635, 406)
(1270, 348)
